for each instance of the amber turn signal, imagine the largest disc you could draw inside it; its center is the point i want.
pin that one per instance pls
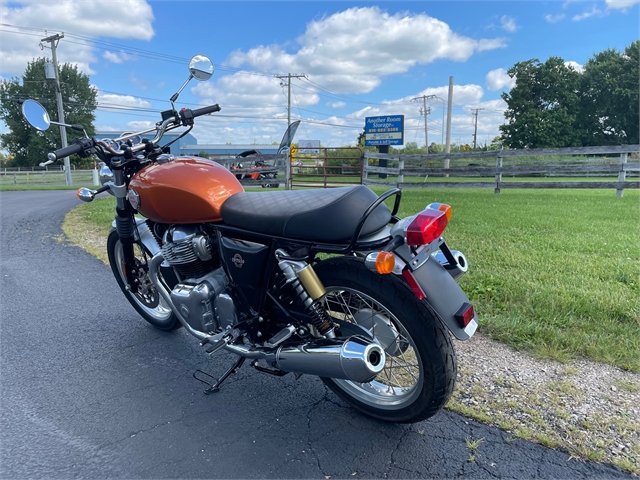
(443, 207)
(385, 262)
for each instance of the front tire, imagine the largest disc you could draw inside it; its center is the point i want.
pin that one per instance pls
(420, 370)
(147, 302)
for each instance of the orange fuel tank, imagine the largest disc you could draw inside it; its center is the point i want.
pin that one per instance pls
(184, 190)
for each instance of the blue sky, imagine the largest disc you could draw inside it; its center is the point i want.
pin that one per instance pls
(361, 58)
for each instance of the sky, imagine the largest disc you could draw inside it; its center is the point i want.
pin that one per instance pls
(361, 59)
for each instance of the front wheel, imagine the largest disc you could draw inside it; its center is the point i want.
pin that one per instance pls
(147, 302)
(420, 368)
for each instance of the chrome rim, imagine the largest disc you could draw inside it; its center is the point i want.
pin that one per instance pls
(401, 380)
(148, 299)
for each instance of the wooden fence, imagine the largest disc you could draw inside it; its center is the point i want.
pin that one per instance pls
(526, 167)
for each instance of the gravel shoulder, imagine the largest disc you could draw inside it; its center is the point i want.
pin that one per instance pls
(588, 409)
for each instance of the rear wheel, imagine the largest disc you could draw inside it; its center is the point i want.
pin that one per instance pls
(147, 302)
(420, 368)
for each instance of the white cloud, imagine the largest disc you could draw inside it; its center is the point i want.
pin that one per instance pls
(554, 18)
(595, 11)
(138, 126)
(575, 65)
(126, 101)
(621, 4)
(98, 18)
(336, 105)
(119, 57)
(499, 79)
(508, 23)
(347, 53)
(245, 89)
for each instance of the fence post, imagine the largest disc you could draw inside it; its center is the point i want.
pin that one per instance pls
(401, 167)
(365, 166)
(622, 175)
(498, 174)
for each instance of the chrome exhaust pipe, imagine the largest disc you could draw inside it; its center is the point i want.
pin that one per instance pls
(154, 266)
(455, 271)
(355, 358)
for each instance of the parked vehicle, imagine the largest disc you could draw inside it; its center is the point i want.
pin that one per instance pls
(269, 171)
(320, 282)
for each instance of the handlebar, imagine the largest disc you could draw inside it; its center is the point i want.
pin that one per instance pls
(184, 117)
(205, 110)
(65, 152)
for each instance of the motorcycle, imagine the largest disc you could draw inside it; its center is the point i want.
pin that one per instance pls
(330, 283)
(269, 171)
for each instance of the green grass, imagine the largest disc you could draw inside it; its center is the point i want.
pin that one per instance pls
(44, 179)
(552, 272)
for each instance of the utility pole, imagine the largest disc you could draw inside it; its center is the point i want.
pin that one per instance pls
(475, 130)
(289, 77)
(53, 40)
(447, 148)
(424, 110)
(287, 166)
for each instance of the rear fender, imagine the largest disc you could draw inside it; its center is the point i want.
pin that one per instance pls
(445, 297)
(441, 290)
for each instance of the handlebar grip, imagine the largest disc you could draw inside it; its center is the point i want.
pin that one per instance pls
(204, 110)
(65, 152)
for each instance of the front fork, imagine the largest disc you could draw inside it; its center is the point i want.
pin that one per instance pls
(125, 224)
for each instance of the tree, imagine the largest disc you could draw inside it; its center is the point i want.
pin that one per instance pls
(610, 98)
(543, 106)
(79, 98)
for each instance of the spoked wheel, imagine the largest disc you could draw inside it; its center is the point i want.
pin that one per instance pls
(420, 368)
(148, 302)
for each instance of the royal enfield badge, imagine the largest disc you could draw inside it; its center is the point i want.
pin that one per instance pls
(237, 260)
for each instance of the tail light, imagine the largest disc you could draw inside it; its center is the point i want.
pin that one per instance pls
(465, 314)
(443, 207)
(427, 226)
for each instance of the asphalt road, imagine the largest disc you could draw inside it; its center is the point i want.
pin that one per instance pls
(88, 389)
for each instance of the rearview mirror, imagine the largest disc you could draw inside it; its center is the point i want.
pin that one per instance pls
(201, 67)
(36, 115)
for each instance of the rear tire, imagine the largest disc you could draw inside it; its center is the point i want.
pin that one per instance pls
(420, 370)
(148, 303)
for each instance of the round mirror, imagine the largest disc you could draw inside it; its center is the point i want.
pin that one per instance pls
(36, 115)
(201, 67)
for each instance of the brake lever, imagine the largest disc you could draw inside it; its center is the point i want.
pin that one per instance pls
(44, 164)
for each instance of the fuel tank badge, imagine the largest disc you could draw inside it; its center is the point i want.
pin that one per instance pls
(237, 260)
(134, 199)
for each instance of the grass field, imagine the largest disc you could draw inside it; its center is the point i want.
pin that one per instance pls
(553, 272)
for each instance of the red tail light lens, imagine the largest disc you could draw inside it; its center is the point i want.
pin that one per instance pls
(426, 227)
(465, 314)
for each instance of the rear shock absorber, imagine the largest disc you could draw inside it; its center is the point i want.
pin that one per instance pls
(305, 284)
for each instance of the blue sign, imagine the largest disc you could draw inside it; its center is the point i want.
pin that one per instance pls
(385, 130)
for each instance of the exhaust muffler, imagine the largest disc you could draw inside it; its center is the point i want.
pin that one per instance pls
(456, 271)
(356, 358)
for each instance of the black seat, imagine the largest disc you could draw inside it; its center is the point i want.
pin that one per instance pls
(330, 215)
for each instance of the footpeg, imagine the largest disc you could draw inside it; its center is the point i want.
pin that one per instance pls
(281, 336)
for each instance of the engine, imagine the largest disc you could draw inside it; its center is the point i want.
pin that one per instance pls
(189, 251)
(200, 296)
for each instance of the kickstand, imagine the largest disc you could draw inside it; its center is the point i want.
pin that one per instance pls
(213, 388)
